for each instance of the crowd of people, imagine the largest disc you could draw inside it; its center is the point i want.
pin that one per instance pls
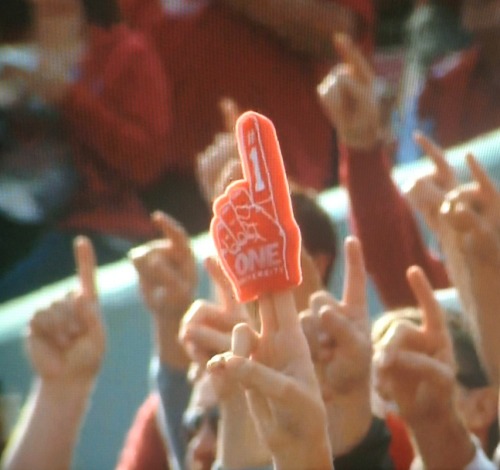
(147, 93)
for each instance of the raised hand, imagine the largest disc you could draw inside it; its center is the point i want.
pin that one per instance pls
(470, 216)
(349, 98)
(168, 279)
(206, 327)
(338, 333)
(415, 365)
(257, 239)
(66, 340)
(283, 393)
(427, 193)
(219, 164)
(473, 211)
(166, 268)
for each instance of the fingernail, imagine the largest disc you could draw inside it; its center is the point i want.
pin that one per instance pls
(217, 363)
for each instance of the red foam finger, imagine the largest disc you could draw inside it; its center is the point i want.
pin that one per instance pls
(255, 233)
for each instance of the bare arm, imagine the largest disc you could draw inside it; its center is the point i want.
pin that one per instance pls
(66, 345)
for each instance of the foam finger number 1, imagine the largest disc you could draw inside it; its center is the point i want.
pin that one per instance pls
(255, 233)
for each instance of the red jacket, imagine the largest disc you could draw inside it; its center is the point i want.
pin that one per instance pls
(458, 100)
(216, 53)
(118, 114)
(386, 227)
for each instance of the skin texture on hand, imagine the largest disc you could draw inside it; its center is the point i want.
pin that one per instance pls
(219, 164)
(66, 340)
(470, 219)
(427, 193)
(282, 391)
(168, 279)
(338, 334)
(414, 367)
(66, 344)
(206, 327)
(348, 97)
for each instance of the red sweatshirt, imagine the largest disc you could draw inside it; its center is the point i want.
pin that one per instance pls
(459, 101)
(386, 227)
(217, 53)
(118, 115)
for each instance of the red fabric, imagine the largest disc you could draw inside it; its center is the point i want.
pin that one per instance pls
(118, 115)
(456, 97)
(366, 13)
(386, 227)
(144, 446)
(215, 54)
(400, 450)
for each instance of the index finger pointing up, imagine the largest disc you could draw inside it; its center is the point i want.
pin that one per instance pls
(480, 175)
(352, 56)
(355, 277)
(432, 315)
(172, 230)
(436, 154)
(86, 266)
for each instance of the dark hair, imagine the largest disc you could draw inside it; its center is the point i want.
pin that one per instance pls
(104, 13)
(317, 228)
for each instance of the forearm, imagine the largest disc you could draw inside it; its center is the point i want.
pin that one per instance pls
(238, 445)
(382, 220)
(48, 431)
(170, 351)
(313, 454)
(443, 442)
(349, 418)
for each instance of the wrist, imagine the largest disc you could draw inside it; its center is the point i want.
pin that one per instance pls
(443, 441)
(349, 419)
(238, 444)
(67, 391)
(310, 453)
(170, 351)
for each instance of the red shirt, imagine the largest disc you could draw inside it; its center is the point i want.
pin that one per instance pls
(386, 227)
(118, 115)
(144, 447)
(458, 100)
(217, 53)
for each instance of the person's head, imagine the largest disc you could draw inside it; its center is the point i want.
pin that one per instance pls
(319, 245)
(476, 398)
(319, 236)
(103, 13)
(200, 422)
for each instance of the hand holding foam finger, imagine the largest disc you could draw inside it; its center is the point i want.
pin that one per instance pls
(254, 231)
(275, 369)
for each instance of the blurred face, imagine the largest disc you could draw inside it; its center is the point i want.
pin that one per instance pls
(200, 424)
(481, 16)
